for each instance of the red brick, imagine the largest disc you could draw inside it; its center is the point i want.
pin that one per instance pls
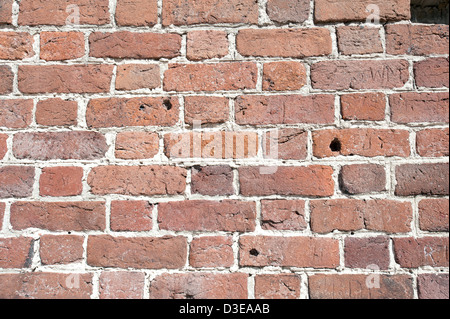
(200, 285)
(353, 215)
(433, 286)
(58, 216)
(56, 112)
(359, 74)
(137, 145)
(61, 181)
(285, 109)
(417, 39)
(288, 11)
(312, 180)
(16, 181)
(284, 76)
(137, 13)
(283, 215)
(367, 252)
(433, 215)
(230, 76)
(433, 142)
(16, 252)
(137, 180)
(260, 251)
(131, 216)
(56, 46)
(137, 252)
(347, 10)
(122, 285)
(64, 249)
(202, 215)
(211, 252)
(185, 12)
(65, 78)
(60, 145)
(125, 44)
(2, 213)
(412, 107)
(359, 40)
(432, 72)
(207, 109)
(6, 12)
(286, 43)
(139, 111)
(287, 144)
(361, 141)
(41, 285)
(62, 12)
(279, 286)
(356, 286)
(362, 179)
(16, 45)
(138, 76)
(212, 180)
(16, 113)
(418, 252)
(6, 79)
(422, 179)
(3, 146)
(206, 44)
(363, 107)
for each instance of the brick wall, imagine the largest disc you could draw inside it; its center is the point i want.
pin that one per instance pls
(320, 169)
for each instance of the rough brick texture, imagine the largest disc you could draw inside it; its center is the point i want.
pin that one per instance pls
(227, 149)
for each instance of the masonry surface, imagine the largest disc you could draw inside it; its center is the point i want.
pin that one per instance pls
(319, 170)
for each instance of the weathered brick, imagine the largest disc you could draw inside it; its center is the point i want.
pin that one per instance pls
(367, 252)
(207, 286)
(284, 76)
(138, 252)
(2, 213)
(122, 285)
(137, 145)
(361, 141)
(16, 252)
(3, 146)
(422, 179)
(206, 110)
(6, 79)
(136, 13)
(202, 215)
(16, 181)
(211, 251)
(206, 44)
(362, 179)
(417, 252)
(138, 111)
(260, 251)
(59, 145)
(358, 286)
(285, 109)
(434, 215)
(131, 216)
(283, 215)
(56, 46)
(58, 216)
(6, 11)
(63, 249)
(412, 107)
(138, 76)
(185, 12)
(16, 45)
(417, 39)
(433, 142)
(61, 181)
(56, 112)
(125, 44)
(229, 76)
(288, 11)
(432, 73)
(312, 180)
(433, 286)
(16, 113)
(137, 180)
(286, 144)
(63, 12)
(212, 180)
(359, 40)
(279, 286)
(347, 10)
(90, 78)
(363, 107)
(286, 43)
(359, 74)
(352, 215)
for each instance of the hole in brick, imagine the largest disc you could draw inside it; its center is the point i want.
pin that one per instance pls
(430, 11)
(336, 145)
(167, 104)
(254, 252)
